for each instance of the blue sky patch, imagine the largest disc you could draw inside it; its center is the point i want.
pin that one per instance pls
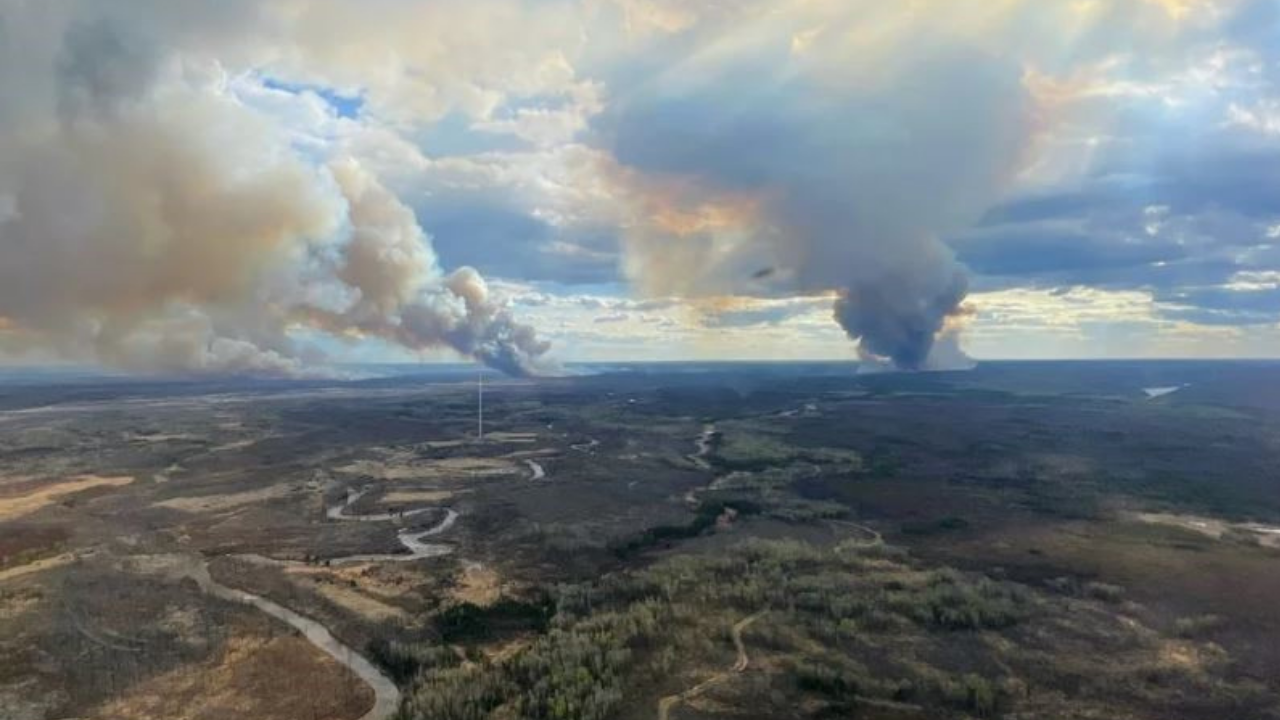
(344, 106)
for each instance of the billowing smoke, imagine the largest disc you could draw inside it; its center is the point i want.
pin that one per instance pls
(900, 323)
(150, 219)
(401, 295)
(840, 172)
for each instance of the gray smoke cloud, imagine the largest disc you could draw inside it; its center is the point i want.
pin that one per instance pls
(401, 295)
(839, 173)
(150, 220)
(899, 322)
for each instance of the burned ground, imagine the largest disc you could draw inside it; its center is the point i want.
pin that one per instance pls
(957, 544)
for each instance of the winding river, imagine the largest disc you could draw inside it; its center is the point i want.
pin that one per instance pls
(703, 445)
(536, 468)
(386, 695)
(411, 540)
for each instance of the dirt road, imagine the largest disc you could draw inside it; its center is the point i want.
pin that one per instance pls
(666, 704)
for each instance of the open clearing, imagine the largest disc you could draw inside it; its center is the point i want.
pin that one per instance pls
(451, 469)
(1216, 528)
(358, 602)
(14, 507)
(37, 566)
(402, 497)
(226, 501)
(247, 680)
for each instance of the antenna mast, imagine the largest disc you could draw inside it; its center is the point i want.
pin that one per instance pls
(480, 404)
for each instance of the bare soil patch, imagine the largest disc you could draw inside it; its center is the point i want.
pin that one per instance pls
(228, 501)
(457, 469)
(27, 503)
(278, 678)
(37, 566)
(347, 594)
(478, 585)
(404, 497)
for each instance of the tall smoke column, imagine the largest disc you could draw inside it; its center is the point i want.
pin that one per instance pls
(902, 323)
(840, 170)
(151, 219)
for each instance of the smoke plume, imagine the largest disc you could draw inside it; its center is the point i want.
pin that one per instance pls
(841, 174)
(151, 220)
(401, 294)
(900, 322)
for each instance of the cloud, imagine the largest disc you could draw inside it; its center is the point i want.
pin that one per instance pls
(765, 312)
(1158, 175)
(538, 215)
(1060, 251)
(1252, 304)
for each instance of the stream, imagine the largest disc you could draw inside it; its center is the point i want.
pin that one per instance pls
(386, 695)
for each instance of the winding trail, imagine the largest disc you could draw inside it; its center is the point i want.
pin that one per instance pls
(103, 638)
(739, 666)
(874, 538)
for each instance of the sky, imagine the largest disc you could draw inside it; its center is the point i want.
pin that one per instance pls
(276, 188)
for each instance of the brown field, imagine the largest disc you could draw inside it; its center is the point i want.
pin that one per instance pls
(279, 678)
(227, 501)
(478, 585)
(29, 502)
(350, 595)
(36, 566)
(24, 543)
(425, 497)
(458, 469)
